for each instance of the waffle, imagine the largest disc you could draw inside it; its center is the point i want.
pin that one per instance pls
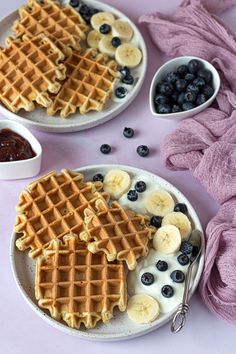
(61, 23)
(28, 71)
(52, 207)
(78, 286)
(120, 233)
(89, 83)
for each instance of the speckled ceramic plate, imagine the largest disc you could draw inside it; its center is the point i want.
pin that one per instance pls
(38, 119)
(120, 327)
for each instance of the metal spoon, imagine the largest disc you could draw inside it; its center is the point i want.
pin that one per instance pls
(179, 319)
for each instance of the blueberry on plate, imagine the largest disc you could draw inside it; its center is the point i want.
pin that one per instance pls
(189, 77)
(208, 91)
(171, 77)
(128, 79)
(183, 259)
(201, 98)
(121, 92)
(161, 99)
(205, 74)
(187, 106)
(140, 186)
(181, 85)
(84, 9)
(192, 88)
(176, 108)
(116, 42)
(162, 266)
(156, 221)
(74, 3)
(128, 132)
(177, 276)
(190, 96)
(181, 207)
(194, 65)
(166, 88)
(147, 278)
(181, 98)
(86, 12)
(105, 28)
(186, 247)
(105, 149)
(182, 70)
(132, 195)
(125, 71)
(98, 177)
(143, 150)
(167, 291)
(163, 108)
(199, 82)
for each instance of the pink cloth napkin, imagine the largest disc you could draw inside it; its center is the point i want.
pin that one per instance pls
(206, 144)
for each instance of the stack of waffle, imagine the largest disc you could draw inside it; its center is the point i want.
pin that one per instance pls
(81, 243)
(43, 63)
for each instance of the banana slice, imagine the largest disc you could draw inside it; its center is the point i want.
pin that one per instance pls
(143, 308)
(159, 202)
(123, 30)
(116, 183)
(94, 38)
(128, 55)
(106, 47)
(179, 220)
(167, 239)
(100, 18)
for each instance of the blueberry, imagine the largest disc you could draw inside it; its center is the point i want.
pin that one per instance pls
(105, 28)
(181, 207)
(105, 149)
(140, 186)
(205, 74)
(192, 88)
(156, 221)
(189, 77)
(174, 96)
(167, 291)
(181, 98)
(186, 247)
(201, 98)
(86, 12)
(125, 71)
(187, 106)
(162, 266)
(143, 150)
(190, 96)
(128, 132)
(177, 276)
(182, 70)
(163, 108)
(98, 177)
(86, 18)
(172, 77)
(181, 85)
(147, 278)
(208, 91)
(132, 195)
(128, 79)
(120, 92)
(183, 259)
(199, 82)
(74, 3)
(116, 42)
(194, 65)
(176, 108)
(161, 99)
(166, 88)
(84, 9)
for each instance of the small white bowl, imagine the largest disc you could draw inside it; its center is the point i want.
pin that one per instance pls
(172, 65)
(22, 168)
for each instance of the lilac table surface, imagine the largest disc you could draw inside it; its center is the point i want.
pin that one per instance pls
(21, 330)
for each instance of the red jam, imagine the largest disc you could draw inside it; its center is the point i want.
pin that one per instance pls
(14, 147)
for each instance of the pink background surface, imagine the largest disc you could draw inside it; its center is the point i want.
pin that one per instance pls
(21, 330)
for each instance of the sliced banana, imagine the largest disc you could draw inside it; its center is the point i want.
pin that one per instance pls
(106, 47)
(159, 202)
(94, 38)
(179, 220)
(167, 239)
(100, 18)
(128, 55)
(116, 183)
(143, 308)
(122, 29)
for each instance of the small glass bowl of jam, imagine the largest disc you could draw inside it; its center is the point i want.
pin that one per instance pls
(20, 151)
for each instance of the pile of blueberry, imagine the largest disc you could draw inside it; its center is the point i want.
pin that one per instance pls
(139, 187)
(85, 11)
(184, 89)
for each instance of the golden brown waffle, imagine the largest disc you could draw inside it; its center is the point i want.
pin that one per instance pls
(29, 69)
(78, 286)
(120, 233)
(61, 23)
(89, 83)
(52, 207)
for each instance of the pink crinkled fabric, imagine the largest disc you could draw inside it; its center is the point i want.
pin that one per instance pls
(206, 143)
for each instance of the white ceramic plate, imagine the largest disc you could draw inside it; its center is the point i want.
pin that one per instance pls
(120, 327)
(38, 119)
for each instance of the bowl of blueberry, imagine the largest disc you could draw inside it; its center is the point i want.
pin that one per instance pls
(183, 87)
